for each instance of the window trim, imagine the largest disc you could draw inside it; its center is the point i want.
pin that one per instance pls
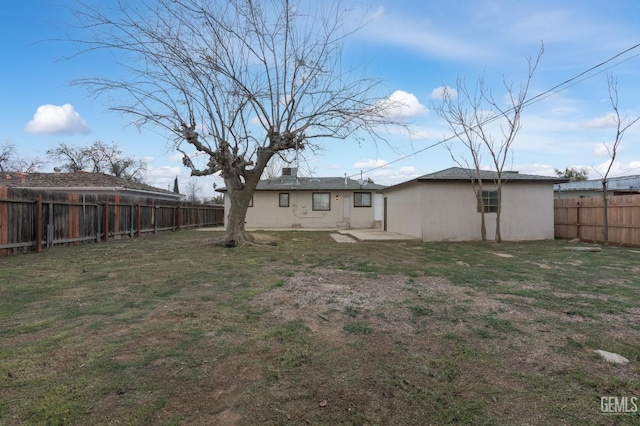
(490, 201)
(313, 201)
(361, 204)
(280, 203)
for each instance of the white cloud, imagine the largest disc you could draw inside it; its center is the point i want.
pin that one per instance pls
(163, 177)
(618, 168)
(391, 175)
(423, 35)
(535, 169)
(369, 164)
(439, 92)
(606, 122)
(57, 120)
(419, 133)
(164, 174)
(604, 149)
(383, 174)
(402, 105)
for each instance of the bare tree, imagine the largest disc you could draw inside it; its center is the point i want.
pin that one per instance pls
(273, 169)
(469, 119)
(510, 123)
(462, 110)
(72, 157)
(238, 80)
(193, 190)
(98, 158)
(622, 124)
(11, 162)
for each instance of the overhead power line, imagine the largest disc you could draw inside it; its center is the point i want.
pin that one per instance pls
(539, 97)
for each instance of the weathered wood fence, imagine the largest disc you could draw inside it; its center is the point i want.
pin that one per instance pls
(584, 218)
(33, 220)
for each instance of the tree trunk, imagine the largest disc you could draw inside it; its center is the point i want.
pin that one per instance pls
(239, 198)
(235, 234)
(605, 205)
(499, 212)
(483, 223)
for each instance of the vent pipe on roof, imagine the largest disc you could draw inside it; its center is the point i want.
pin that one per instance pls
(345, 180)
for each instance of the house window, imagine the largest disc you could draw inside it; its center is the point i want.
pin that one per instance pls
(361, 199)
(284, 199)
(321, 201)
(489, 201)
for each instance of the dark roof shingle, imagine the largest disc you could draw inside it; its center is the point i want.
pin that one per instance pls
(458, 173)
(289, 183)
(75, 180)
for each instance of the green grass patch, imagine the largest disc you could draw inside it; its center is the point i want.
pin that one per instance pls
(357, 327)
(169, 327)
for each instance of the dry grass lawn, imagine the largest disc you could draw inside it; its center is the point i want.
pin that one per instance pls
(170, 330)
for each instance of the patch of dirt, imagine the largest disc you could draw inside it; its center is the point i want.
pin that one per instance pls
(532, 345)
(264, 238)
(216, 398)
(321, 299)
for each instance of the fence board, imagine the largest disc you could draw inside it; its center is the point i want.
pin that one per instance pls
(583, 218)
(30, 220)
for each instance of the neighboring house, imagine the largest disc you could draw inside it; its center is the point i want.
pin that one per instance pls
(442, 206)
(593, 188)
(85, 183)
(290, 201)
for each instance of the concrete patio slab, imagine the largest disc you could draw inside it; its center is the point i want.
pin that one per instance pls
(357, 234)
(375, 235)
(342, 238)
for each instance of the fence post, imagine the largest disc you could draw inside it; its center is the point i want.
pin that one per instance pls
(4, 218)
(105, 222)
(178, 216)
(97, 223)
(138, 220)
(50, 224)
(154, 215)
(578, 219)
(39, 224)
(131, 225)
(73, 218)
(116, 216)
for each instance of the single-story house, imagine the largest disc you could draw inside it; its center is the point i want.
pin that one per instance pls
(622, 185)
(85, 183)
(290, 201)
(442, 206)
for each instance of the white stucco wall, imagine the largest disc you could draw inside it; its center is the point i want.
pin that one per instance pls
(404, 210)
(266, 212)
(447, 211)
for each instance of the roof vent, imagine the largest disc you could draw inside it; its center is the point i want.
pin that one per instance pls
(290, 171)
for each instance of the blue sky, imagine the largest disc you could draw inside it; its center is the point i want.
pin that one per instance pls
(414, 46)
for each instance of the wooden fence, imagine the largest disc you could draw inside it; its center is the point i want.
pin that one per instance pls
(583, 218)
(33, 220)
